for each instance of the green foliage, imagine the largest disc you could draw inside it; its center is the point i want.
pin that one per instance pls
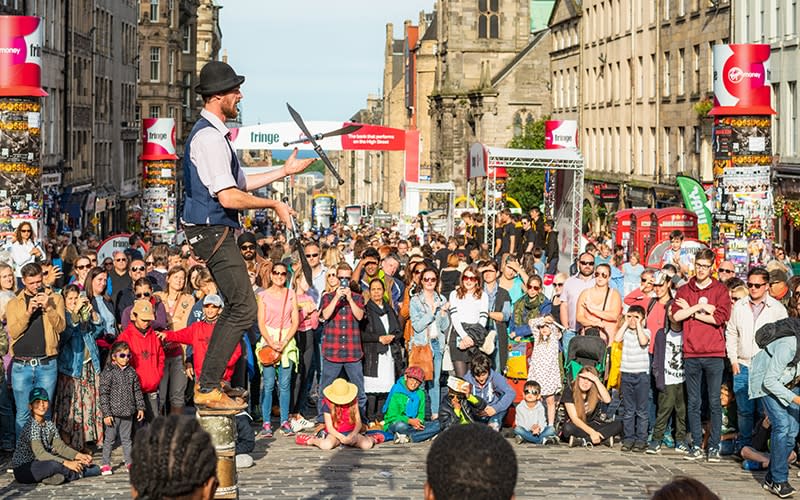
(317, 166)
(527, 185)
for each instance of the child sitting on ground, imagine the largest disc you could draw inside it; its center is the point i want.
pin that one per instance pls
(121, 400)
(459, 406)
(493, 388)
(41, 456)
(404, 411)
(530, 423)
(342, 419)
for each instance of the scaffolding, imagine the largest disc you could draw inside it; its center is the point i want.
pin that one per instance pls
(569, 160)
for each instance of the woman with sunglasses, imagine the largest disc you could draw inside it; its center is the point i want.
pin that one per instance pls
(600, 306)
(308, 321)
(76, 407)
(500, 310)
(469, 307)
(178, 305)
(24, 249)
(80, 270)
(430, 321)
(278, 318)
(143, 290)
(413, 286)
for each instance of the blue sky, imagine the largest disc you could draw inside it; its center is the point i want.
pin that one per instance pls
(322, 56)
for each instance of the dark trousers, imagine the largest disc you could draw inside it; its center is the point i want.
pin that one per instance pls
(635, 388)
(228, 269)
(37, 470)
(695, 370)
(301, 385)
(375, 402)
(672, 398)
(606, 429)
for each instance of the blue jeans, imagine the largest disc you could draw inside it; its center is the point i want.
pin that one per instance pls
(534, 438)
(433, 387)
(745, 407)
(635, 389)
(431, 429)
(785, 423)
(565, 338)
(355, 373)
(25, 377)
(284, 390)
(495, 420)
(695, 369)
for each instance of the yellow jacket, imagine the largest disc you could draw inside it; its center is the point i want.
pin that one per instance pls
(54, 322)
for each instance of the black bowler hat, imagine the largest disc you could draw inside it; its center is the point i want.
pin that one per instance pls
(217, 77)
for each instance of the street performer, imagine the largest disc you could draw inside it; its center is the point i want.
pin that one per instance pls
(216, 190)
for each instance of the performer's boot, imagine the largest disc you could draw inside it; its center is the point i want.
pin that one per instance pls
(233, 392)
(217, 400)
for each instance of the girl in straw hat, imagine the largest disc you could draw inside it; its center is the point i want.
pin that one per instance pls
(342, 419)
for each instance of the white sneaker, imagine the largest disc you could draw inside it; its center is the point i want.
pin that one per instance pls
(244, 461)
(300, 424)
(401, 439)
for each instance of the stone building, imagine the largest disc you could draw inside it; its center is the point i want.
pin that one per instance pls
(209, 35)
(491, 72)
(635, 75)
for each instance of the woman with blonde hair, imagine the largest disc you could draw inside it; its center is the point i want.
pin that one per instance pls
(331, 257)
(582, 400)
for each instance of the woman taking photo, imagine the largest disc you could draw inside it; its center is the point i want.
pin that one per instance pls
(600, 306)
(77, 400)
(469, 307)
(24, 249)
(277, 321)
(383, 357)
(500, 310)
(178, 306)
(582, 400)
(430, 322)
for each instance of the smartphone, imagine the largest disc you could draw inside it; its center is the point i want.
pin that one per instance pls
(82, 294)
(344, 282)
(40, 289)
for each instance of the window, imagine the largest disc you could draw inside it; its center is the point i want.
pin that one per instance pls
(154, 11)
(187, 39)
(155, 64)
(155, 111)
(681, 150)
(681, 72)
(137, 113)
(666, 10)
(791, 115)
(639, 150)
(665, 152)
(791, 19)
(681, 8)
(698, 140)
(666, 75)
(774, 22)
(777, 139)
(171, 67)
(651, 152)
(652, 93)
(639, 77)
(696, 69)
(488, 19)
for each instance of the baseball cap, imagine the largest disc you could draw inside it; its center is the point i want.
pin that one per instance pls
(214, 300)
(660, 277)
(144, 310)
(38, 394)
(415, 372)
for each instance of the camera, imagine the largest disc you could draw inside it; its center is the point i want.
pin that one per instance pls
(40, 289)
(344, 282)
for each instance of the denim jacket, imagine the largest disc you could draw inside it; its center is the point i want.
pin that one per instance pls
(769, 370)
(76, 339)
(422, 316)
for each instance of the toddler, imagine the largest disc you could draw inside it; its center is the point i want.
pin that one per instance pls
(530, 424)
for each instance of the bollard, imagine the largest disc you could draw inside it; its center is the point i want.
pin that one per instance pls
(222, 429)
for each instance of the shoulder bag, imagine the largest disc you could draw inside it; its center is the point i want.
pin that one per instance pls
(268, 356)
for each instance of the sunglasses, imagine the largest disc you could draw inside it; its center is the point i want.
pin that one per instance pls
(142, 295)
(702, 266)
(279, 273)
(311, 255)
(343, 277)
(586, 262)
(429, 280)
(756, 285)
(93, 261)
(532, 392)
(120, 260)
(247, 247)
(558, 284)
(25, 231)
(645, 280)
(727, 271)
(137, 268)
(601, 275)
(149, 263)
(123, 355)
(535, 287)
(87, 266)
(417, 271)
(470, 278)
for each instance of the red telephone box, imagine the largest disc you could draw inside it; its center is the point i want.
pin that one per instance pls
(641, 229)
(670, 219)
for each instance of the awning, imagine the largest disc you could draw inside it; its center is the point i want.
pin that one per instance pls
(72, 203)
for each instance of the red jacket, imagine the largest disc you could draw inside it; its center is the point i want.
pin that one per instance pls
(147, 356)
(702, 340)
(198, 335)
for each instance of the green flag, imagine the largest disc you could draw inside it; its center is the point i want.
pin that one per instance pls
(694, 197)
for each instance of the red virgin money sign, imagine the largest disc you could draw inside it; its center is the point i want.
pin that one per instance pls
(741, 80)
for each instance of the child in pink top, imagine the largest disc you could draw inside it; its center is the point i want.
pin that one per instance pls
(342, 419)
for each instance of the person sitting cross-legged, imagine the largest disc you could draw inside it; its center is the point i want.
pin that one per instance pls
(404, 411)
(530, 424)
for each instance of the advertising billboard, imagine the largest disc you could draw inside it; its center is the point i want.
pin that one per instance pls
(741, 80)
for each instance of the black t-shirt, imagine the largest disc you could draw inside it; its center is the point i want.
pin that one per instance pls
(528, 237)
(442, 256)
(118, 284)
(31, 344)
(566, 397)
(505, 243)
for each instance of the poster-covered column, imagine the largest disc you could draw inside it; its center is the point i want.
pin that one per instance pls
(158, 193)
(20, 117)
(743, 228)
(558, 134)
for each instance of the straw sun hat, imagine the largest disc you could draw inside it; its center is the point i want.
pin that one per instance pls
(340, 392)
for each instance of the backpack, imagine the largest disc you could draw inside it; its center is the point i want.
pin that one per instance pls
(771, 332)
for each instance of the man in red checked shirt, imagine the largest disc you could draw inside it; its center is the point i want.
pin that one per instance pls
(342, 309)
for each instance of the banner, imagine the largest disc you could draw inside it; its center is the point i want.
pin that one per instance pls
(694, 197)
(21, 56)
(741, 80)
(561, 134)
(273, 135)
(158, 139)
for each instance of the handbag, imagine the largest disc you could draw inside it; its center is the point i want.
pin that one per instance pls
(422, 357)
(266, 355)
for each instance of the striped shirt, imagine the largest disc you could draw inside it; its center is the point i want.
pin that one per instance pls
(468, 310)
(635, 357)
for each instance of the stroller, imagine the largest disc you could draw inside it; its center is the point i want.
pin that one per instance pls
(588, 349)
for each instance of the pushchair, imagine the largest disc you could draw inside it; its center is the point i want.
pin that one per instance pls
(588, 349)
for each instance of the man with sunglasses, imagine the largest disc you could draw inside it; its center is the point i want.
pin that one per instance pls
(747, 316)
(216, 189)
(704, 306)
(118, 277)
(573, 288)
(642, 295)
(726, 271)
(254, 262)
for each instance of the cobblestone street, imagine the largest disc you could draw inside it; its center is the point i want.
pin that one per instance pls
(285, 470)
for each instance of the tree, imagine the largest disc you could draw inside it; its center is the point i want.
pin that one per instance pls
(523, 184)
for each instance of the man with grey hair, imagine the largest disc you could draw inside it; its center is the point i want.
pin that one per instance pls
(118, 278)
(390, 264)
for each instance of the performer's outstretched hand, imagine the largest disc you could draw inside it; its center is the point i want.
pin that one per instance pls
(284, 213)
(294, 166)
